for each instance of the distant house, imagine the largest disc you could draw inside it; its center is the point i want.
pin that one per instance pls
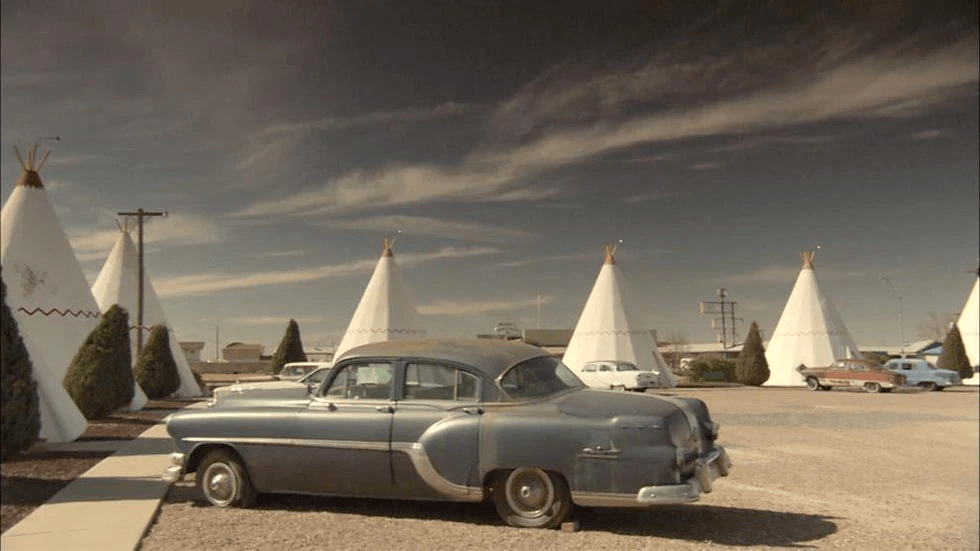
(319, 354)
(242, 352)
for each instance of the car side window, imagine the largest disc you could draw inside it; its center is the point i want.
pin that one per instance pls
(369, 380)
(907, 367)
(604, 368)
(589, 369)
(424, 381)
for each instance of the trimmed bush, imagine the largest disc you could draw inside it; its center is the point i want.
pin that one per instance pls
(954, 354)
(100, 377)
(156, 369)
(290, 349)
(712, 369)
(21, 420)
(751, 367)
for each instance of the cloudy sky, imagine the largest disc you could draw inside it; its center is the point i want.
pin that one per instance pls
(508, 141)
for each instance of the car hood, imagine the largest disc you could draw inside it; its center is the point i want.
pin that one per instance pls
(604, 403)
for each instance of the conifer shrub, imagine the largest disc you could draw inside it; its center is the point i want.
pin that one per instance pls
(289, 350)
(100, 377)
(156, 369)
(21, 418)
(954, 354)
(712, 369)
(751, 367)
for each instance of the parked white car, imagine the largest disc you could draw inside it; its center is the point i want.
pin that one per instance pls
(617, 375)
(919, 372)
(312, 379)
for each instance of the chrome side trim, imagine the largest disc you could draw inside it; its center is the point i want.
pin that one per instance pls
(428, 473)
(299, 442)
(415, 451)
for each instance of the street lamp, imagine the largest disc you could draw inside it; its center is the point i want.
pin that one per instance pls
(901, 324)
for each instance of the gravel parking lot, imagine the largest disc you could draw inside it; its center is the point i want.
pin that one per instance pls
(828, 470)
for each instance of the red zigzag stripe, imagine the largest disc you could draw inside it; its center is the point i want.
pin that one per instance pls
(65, 313)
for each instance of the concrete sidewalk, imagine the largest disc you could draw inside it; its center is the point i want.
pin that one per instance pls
(109, 507)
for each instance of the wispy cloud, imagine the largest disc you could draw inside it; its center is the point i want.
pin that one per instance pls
(928, 134)
(173, 230)
(555, 258)
(279, 254)
(706, 166)
(885, 84)
(378, 118)
(423, 225)
(653, 196)
(786, 274)
(196, 284)
(477, 307)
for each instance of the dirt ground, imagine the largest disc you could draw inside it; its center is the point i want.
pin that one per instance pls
(30, 479)
(827, 470)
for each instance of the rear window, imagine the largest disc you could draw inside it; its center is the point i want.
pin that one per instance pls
(538, 378)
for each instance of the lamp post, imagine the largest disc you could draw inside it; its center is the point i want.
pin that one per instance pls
(901, 324)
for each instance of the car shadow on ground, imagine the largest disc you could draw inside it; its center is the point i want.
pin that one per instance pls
(703, 523)
(707, 523)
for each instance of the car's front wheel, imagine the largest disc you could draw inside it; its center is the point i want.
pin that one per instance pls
(872, 387)
(929, 386)
(222, 480)
(531, 498)
(812, 383)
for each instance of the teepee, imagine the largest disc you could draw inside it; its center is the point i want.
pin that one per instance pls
(118, 283)
(967, 323)
(610, 329)
(387, 308)
(48, 295)
(810, 331)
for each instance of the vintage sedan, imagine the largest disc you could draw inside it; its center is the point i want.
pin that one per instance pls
(868, 375)
(458, 420)
(617, 375)
(919, 372)
(271, 388)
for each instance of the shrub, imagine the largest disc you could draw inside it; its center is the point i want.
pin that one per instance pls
(156, 369)
(712, 369)
(751, 367)
(100, 377)
(954, 354)
(290, 349)
(21, 420)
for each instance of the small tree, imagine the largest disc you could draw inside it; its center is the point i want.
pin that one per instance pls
(954, 354)
(100, 377)
(156, 369)
(751, 367)
(290, 349)
(21, 420)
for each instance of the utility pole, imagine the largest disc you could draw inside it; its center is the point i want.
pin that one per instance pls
(726, 315)
(901, 322)
(139, 215)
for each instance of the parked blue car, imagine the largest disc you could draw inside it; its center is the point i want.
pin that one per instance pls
(919, 372)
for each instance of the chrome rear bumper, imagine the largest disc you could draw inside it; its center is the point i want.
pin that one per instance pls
(706, 471)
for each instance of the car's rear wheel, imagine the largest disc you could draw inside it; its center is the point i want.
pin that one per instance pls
(872, 387)
(223, 481)
(928, 386)
(531, 498)
(812, 383)
(617, 387)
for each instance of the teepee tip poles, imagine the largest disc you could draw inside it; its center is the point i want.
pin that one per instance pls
(139, 215)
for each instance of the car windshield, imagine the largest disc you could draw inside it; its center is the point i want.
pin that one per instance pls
(538, 378)
(316, 377)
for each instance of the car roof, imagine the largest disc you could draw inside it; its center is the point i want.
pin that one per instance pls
(492, 356)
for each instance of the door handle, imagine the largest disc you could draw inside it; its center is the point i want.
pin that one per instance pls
(385, 408)
(473, 410)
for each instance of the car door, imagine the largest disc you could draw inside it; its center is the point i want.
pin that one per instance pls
(344, 432)
(435, 431)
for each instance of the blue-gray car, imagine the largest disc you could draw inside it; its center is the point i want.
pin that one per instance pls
(920, 372)
(457, 420)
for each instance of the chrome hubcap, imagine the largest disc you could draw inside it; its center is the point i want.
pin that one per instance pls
(219, 481)
(530, 492)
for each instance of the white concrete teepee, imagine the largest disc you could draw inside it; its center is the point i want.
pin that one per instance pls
(810, 332)
(387, 308)
(48, 295)
(118, 283)
(610, 329)
(968, 325)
